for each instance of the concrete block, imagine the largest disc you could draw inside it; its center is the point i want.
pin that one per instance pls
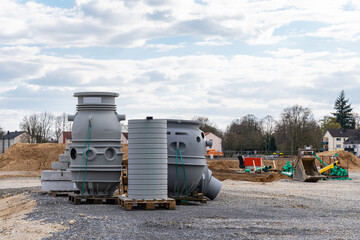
(57, 186)
(64, 158)
(55, 175)
(59, 165)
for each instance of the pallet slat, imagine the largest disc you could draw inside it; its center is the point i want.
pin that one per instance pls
(193, 197)
(127, 204)
(78, 199)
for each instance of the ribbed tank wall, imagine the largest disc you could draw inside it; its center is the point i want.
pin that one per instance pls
(147, 159)
(95, 151)
(186, 156)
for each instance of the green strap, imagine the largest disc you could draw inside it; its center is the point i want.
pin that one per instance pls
(177, 174)
(87, 158)
(183, 165)
(82, 156)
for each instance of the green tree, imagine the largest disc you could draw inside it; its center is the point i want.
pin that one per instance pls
(343, 112)
(328, 122)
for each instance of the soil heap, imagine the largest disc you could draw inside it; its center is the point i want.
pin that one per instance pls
(346, 159)
(226, 169)
(30, 157)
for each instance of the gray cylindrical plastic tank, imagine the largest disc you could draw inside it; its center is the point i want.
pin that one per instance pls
(95, 151)
(147, 159)
(186, 156)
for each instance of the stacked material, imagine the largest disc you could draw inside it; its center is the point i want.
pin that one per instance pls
(58, 179)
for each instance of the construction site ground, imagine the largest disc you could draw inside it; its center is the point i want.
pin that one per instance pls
(281, 209)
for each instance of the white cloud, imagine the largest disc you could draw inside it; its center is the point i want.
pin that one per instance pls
(118, 23)
(211, 85)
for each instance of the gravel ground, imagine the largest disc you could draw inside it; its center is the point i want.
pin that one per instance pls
(243, 210)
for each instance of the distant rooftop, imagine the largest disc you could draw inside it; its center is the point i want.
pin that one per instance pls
(11, 135)
(342, 132)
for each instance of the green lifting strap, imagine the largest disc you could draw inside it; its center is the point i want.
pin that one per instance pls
(87, 158)
(83, 153)
(177, 173)
(187, 194)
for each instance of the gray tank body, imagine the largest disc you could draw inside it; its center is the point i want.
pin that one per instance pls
(209, 185)
(147, 159)
(98, 121)
(186, 139)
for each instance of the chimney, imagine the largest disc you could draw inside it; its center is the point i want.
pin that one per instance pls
(8, 132)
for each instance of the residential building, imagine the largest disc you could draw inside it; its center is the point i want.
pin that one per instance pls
(352, 144)
(65, 137)
(124, 138)
(10, 138)
(333, 139)
(216, 141)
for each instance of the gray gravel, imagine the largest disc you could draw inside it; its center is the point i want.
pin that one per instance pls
(243, 210)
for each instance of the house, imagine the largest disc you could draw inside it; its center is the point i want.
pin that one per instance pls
(124, 138)
(352, 144)
(65, 137)
(216, 141)
(333, 139)
(10, 138)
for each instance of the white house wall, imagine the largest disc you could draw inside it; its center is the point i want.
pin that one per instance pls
(216, 142)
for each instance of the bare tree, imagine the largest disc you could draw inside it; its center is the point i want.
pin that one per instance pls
(268, 127)
(244, 134)
(208, 126)
(38, 127)
(297, 128)
(61, 124)
(2, 132)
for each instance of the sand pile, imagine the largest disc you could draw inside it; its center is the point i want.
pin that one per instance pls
(346, 159)
(30, 157)
(124, 149)
(227, 169)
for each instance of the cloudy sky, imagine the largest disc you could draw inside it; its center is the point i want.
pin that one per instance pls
(169, 58)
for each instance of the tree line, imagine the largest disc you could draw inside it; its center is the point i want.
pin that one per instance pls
(295, 129)
(44, 127)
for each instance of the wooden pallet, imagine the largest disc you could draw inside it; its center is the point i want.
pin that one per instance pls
(60, 193)
(123, 187)
(127, 204)
(78, 199)
(193, 197)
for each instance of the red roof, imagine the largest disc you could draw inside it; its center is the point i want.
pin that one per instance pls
(67, 134)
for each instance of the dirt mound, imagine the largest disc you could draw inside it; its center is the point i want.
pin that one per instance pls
(227, 169)
(30, 157)
(124, 149)
(222, 164)
(346, 159)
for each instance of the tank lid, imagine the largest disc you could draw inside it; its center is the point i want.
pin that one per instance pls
(183, 121)
(95, 94)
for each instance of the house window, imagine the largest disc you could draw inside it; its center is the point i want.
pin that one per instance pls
(338, 139)
(338, 145)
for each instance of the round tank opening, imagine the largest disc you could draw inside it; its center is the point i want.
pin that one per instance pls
(90, 154)
(198, 139)
(73, 153)
(202, 135)
(110, 154)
